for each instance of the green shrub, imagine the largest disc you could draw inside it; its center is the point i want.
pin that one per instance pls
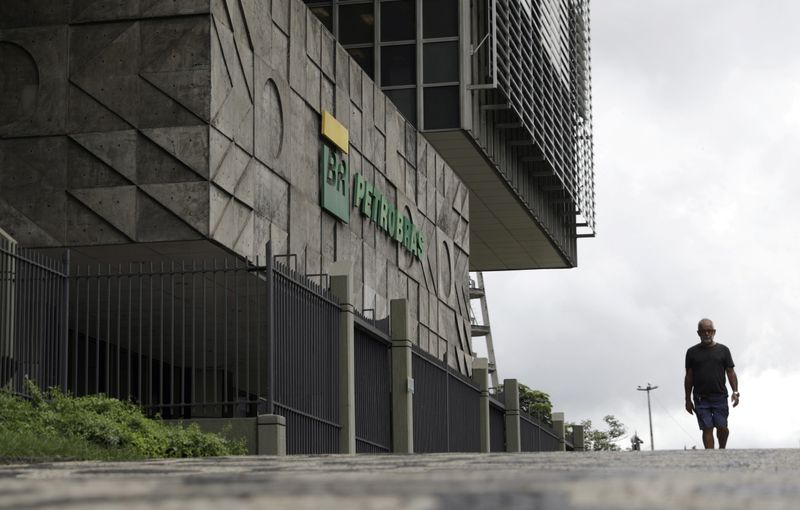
(95, 425)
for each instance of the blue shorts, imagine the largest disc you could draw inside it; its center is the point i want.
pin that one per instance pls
(711, 411)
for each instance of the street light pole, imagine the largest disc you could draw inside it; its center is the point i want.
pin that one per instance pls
(649, 413)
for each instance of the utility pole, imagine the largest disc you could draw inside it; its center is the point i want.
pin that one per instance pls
(649, 413)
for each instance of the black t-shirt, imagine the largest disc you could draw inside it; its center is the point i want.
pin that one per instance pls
(708, 366)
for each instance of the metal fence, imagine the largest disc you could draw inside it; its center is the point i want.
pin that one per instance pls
(536, 435)
(306, 362)
(32, 318)
(200, 339)
(373, 382)
(497, 426)
(182, 339)
(446, 407)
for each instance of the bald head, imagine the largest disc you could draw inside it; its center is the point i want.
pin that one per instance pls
(705, 323)
(706, 332)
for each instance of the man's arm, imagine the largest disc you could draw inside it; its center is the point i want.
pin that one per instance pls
(734, 382)
(688, 382)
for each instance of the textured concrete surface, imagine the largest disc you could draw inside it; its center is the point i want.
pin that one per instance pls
(179, 122)
(708, 480)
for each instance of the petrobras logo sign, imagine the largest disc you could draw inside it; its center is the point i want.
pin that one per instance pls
(335, 192)
(334, 174)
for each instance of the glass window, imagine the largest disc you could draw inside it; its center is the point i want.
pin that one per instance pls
(440, 62)
(356, 24)
(406, 101)
(397, 21)
(441, 108)
(325, 15)
(365, 58)
(398, 65)
(439, 18)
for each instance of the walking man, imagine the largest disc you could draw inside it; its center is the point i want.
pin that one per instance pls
(707, 364)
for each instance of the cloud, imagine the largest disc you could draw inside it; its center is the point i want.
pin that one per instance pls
(697, 110)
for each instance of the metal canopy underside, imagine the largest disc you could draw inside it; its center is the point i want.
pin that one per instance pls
(504, 234)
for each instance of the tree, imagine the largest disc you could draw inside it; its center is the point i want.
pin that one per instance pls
(597, 440)
(533, 402)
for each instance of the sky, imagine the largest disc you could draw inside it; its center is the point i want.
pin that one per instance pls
(696, 121)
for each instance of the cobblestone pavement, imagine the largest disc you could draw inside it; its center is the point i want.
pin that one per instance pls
(707, 480)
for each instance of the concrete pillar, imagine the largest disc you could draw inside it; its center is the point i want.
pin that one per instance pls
(577, 438)
(402, 379)
(559, 430)
(513, 438)
(271, 435)
(342, 288)
(480, 375)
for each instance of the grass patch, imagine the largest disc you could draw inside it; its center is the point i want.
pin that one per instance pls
(54, 426)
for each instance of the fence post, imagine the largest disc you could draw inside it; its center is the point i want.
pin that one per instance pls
(577, 437)
(341, 287)
(402, 379)
(64, 351)
(559, 430)
(270, 347)
(270, 427)
(480, 375)
(271, 435)
(511, 392)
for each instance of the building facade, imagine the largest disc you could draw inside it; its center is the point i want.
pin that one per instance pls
(458, 133)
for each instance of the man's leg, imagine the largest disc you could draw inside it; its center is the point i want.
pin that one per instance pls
(708, 438)
(722, 435)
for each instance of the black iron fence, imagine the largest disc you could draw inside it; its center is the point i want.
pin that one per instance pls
(497, 426)
(536, 435)
(181, 339)
(373, 382)
(33, 319)
(446, 407)
(227, 338)
(306, 362)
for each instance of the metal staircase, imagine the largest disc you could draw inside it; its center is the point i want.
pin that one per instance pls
(478, 291)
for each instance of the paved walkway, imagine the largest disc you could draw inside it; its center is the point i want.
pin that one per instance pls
(732, 479)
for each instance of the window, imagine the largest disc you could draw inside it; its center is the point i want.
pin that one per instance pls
(398, 22)
(356, 24)
(441, 108)
(440, 62)
(398, 65)
(439, 18)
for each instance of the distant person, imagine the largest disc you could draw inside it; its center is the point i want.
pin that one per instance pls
(636, 443)
(707, 364)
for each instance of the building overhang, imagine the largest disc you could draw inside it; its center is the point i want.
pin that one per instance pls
(504, 234)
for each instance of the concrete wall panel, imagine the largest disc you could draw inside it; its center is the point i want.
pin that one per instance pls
(200, 119)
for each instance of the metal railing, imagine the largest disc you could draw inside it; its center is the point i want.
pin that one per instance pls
(306, 362)
(227, 338)
(181, 339)
(32, 318)
(497, 426)
(536, 435)
(446, 407)
(373, 381)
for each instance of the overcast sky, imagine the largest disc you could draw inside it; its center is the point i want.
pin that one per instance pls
(696, 121)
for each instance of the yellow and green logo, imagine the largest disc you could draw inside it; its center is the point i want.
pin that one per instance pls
(334, 192)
